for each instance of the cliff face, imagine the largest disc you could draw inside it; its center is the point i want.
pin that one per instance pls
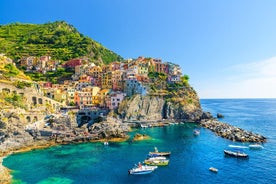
(182, 106)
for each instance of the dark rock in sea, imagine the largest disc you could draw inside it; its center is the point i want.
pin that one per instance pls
(206, 115)
(220, 115)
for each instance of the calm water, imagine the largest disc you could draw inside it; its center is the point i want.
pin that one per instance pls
(189, 162)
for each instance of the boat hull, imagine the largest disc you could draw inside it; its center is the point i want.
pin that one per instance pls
(235, 154)
(256, 146)
(142, 170)
(160, 153)
(215, 170)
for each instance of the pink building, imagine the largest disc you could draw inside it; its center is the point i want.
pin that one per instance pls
(72, 63)
(115, 66)
(161, 67)
(114, 100)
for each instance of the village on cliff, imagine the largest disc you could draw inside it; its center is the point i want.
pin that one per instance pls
(100, 86)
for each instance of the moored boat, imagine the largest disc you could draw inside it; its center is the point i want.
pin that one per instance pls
(142, 169)
(237, 146)
(213, 169)
(196, 132)
(255, 146)
(156, 158)
(156, 162)
(236, 153)
(157, 153)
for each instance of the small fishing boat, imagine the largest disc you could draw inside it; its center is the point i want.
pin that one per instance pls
(106, 143)
(213, 169)
(156, 162)
(236, 153)
(196, 132)
(157, 153)
(255, 146)
(142, 169)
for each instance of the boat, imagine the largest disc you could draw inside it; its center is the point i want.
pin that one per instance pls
(236, 153)
(196, 132)
(237, 146)
(213, 169)
(142, 169)
(156, 162)
(156, 157)
(157, 153)
(106, 143)
(255, 146)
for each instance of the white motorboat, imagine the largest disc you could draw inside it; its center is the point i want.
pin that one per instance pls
(255, 146)
(142, 169)
(215, 170)
(237, 146)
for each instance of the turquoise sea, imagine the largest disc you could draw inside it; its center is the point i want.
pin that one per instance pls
(189, 162)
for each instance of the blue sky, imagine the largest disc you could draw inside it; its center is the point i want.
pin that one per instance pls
(228, 48)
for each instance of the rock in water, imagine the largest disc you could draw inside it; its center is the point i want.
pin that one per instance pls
(220, 115)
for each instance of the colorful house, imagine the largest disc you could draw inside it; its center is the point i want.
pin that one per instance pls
(102, 96)
(71, 64)
(70, 96)
(117, 80)
(107, 80)
(80, 69)
(161, 67)
(174, 69)
(85, 79)
(115, 99)
(95, 71)
(83, 99)
(133, 86)
(115, 65)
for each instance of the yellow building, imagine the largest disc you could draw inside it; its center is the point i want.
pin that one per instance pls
(107, 80)
(95, 71)
(102, 95)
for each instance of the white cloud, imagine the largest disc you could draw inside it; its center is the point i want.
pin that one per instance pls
(261, 69)
(251, 80)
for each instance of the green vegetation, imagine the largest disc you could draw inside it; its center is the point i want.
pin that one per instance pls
(7, 70)
(15, 100)
(160, 85)
(58, 39)
(11, 70)
(60, 75)
(22, 84)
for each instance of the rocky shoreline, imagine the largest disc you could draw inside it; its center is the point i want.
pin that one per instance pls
(112, 130)
(230, 132)
(5, 177)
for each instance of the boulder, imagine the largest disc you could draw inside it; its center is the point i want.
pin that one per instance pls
(206, 115)
(220, 115)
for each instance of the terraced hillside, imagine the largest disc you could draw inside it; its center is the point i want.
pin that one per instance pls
(58, 39)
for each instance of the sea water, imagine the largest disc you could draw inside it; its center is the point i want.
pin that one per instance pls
(190, 160)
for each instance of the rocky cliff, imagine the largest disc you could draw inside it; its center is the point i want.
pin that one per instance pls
(182, 105)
